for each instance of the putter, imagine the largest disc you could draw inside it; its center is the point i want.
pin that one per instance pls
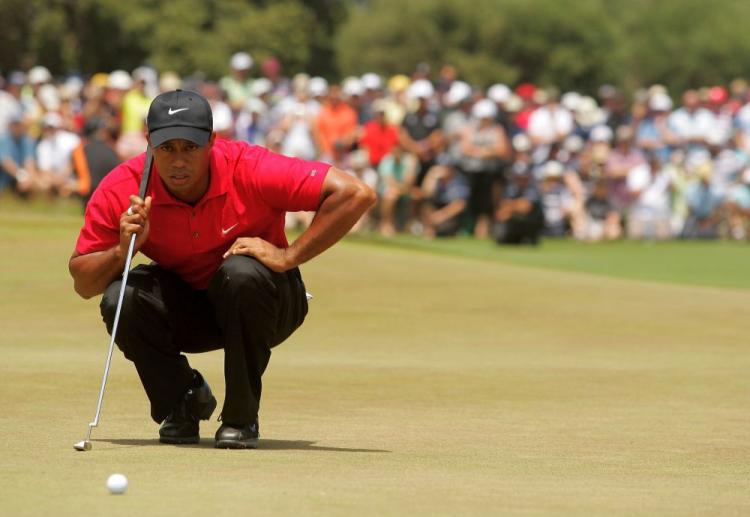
(85, 445)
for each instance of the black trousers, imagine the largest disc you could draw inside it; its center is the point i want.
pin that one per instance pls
(246, 310)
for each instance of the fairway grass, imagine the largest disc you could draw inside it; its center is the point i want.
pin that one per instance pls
(421, 384)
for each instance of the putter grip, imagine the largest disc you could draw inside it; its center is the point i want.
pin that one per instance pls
(146, 173)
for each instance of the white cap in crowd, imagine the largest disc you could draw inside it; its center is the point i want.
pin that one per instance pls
(570, 101)
(52, 119)
(169, 81)
(499, 93)
(573, 144)
(39, 75)
(241, 61)
(513, 104)
(484, 109)
(552, 169)
(457, 93)
(261, 86)
(601, 134)
(49, 97)
(372, 81)
(660, 101)
(521, 143)
(352, 87)
(421, 89)
(119, 80)
(317, 86)
(255, 105)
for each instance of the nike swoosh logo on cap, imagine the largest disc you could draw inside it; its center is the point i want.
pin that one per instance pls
(172, 112)
(228, 229)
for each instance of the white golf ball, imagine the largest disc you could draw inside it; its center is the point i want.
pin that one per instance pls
(117, 483)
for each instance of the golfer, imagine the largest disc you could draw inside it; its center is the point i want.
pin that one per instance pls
(222, 276)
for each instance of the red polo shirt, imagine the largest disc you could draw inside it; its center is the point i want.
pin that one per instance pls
(379, 139)
(250, 191)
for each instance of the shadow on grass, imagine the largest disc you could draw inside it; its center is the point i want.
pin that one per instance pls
(265, 444)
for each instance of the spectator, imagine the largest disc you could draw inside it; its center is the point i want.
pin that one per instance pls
(336, 123)
(378, 136)
(484, 147)
(520, 216)
(602, 221)
(550, 123)
(135, 105)
(653, 133)
(738, 207)
(398, 172)
(238, 84)
(446, 193)
(624, 157)
(649, 215)
(704, 206)
(421, 132)
(10, 105)
(93, 158)
(561, 213)
(17, 163)
(691, 123)
(359, 166)
(54, 154)
(457, 101)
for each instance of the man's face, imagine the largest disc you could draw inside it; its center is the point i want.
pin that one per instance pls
(184, 167)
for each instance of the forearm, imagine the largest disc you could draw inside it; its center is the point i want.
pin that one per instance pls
(338, 212)
(93, 272)
(448, 212)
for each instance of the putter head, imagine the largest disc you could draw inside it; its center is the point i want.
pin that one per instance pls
(83, 445)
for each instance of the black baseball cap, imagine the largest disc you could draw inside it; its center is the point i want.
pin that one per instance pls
(182, 114)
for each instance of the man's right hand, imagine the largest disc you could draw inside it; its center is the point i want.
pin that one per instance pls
(135, 221)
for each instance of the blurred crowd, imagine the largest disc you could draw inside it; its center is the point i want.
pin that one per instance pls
(513, 163)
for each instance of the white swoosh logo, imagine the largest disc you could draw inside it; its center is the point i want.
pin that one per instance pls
(228, 229)
(172, 112)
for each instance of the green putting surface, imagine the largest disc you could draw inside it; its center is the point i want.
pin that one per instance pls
(421, 384)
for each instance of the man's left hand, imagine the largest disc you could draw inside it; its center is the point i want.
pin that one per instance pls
(273, 258)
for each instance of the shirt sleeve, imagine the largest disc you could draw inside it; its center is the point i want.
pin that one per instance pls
(101, 225)
(289, 184)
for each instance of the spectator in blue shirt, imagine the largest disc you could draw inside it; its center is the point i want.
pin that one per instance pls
(17, 165)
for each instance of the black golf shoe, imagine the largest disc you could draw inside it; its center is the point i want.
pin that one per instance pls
(181, 426)
(237, 437)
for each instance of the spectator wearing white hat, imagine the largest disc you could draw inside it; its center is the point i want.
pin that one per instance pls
(54, 154)
(484, 149)
(653, 133)
(500, 94)
(353, 91)
(457, 101)
(551, 122)
(421, 132)
(238, 84)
